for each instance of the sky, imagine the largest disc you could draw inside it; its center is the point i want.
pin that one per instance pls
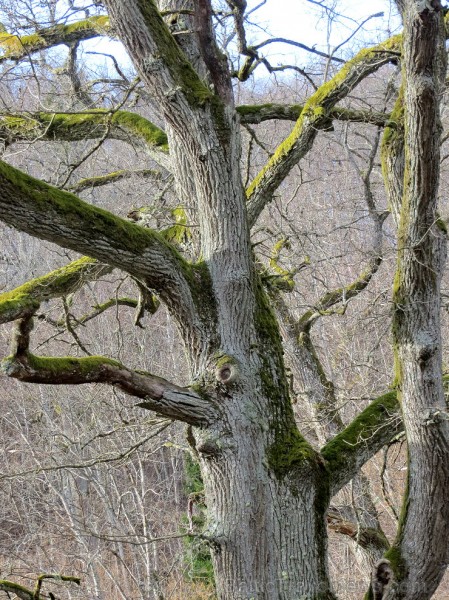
(299, 20)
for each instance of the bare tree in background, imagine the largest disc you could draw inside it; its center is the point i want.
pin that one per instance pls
(267, 484)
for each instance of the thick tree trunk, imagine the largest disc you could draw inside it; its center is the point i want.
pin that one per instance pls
(266, 490)
(267, 526)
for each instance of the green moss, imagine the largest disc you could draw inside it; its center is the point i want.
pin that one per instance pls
(85, 125)
(255, 109)
(82, 124)
(179, 234)
(10, 44)
(13, 305)
(98, 23)
(442, 225)
(32, 42)
(141, 127)
(17, 47)
(30, 294)
(181, 70)
(197, 553)
(317, 109)
(66, 364)
(394, 554)
(128, 236)
(393, 136)
(289, 449)
(355, 434)
(19, 590)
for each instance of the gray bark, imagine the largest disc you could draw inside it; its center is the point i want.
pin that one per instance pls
(267, 490)
(422, 549)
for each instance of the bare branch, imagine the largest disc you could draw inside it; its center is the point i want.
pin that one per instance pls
(366, 537)
(280, 40)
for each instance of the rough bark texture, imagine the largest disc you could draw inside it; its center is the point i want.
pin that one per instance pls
(421, 552)
(267, 489)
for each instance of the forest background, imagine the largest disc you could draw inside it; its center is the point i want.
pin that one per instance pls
(92, 486)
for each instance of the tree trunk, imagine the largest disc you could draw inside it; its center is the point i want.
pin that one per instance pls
(421, 553)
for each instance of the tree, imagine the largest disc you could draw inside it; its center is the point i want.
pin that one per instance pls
(267, 488)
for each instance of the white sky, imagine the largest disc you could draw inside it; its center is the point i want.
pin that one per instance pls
(299, 20)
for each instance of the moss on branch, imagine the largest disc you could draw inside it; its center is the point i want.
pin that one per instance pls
(122, 125)
(62, 209)
(258, 113)
(362, 438)
(9, 587)
(100, 180)
(170, 54)
(316, 115)
(16, 47)
(27, 297)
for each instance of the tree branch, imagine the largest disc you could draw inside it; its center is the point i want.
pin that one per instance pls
(60, 217)
(366, 537)
(316, 115)
(93, 182)
(20, 301)
(26, 594)
(120, 125)
(258, 113)
(158, 394)
(14, 588)
(348, 451)
(16, 48)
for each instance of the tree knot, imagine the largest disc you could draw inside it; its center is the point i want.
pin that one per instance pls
(381, 579)
(227, 370)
